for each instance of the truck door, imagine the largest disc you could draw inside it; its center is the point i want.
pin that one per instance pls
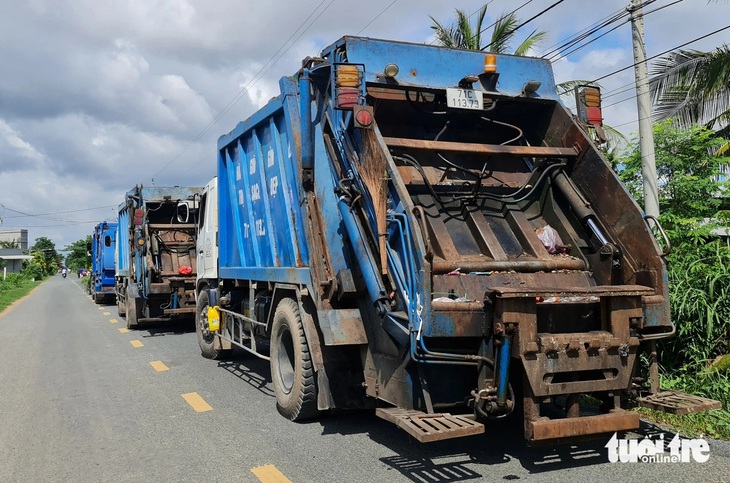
(207, 241)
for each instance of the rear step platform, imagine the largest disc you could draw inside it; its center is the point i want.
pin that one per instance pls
(679, 403)
(427, 428)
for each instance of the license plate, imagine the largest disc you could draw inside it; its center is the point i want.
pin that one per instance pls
(464, 98)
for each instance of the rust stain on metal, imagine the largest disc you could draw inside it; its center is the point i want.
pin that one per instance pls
(552, 429)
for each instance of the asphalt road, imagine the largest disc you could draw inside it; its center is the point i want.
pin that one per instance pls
(79, 402)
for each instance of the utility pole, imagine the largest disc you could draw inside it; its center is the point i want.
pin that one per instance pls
(643, 103)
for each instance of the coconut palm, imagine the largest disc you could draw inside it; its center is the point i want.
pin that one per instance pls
(463, 35)
(693, 87)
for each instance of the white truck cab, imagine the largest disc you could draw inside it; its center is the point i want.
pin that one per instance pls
(207, 242)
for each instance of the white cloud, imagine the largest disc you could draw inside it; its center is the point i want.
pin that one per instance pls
(15, 151)
(98, 96)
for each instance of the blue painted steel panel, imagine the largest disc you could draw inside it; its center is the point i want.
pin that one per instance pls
(261, 227)
(103, 242)
(123, 242)
(438, 67)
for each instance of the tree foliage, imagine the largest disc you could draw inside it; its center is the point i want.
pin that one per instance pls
(687, 176)
(46, 251)
(461, 34)
(78, 256)
(693, 87)
(692, 202)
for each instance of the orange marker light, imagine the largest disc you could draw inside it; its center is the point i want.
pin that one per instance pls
(490, 63)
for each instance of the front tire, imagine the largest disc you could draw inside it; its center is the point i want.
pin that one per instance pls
(206, 339)
(292, 372)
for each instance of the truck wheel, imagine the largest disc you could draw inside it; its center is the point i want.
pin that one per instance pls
(98, 299)
(206, 339)
(291, 364)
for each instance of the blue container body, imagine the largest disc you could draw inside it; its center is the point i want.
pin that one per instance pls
(123, 243)
(103, 244)
(260, 219)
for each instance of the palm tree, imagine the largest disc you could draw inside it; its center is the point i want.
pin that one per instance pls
(463, 35)
(693, 87)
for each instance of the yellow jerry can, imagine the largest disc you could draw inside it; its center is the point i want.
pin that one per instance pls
(214, 319)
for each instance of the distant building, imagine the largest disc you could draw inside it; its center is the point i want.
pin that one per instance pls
(19, 237)
(13, 258)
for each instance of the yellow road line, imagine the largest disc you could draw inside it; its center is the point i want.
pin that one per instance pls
(159, 366)
(197, 402)
(269, 474)
(136, 343)
(113, 321)
(106, 313)
(100, 308)
(124, 330)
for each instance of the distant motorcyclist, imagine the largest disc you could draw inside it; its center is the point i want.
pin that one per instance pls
(64, 272)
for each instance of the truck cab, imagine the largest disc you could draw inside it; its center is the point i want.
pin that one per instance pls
(207, 238)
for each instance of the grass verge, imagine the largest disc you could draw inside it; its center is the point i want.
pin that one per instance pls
(14, 287)
(703, 380)
(714, 424)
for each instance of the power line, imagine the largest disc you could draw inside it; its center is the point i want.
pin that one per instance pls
(665, 52)
(300, 35)
(23, 214)
(381, 13)
(584, 34)
(49, 218)
(70, 223)
(593, 25)
(507, 34)
(562, 54)
(250, 84)
(659, 54)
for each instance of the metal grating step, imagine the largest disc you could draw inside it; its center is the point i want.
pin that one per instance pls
(427, 428)
(679, 403)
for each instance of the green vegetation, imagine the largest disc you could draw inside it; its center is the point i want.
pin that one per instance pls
(15, 286)
(463, 35)
(79, 256)
(693, 87)
(45, 262)
(692, 203)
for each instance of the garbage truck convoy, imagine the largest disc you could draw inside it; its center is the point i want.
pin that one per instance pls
(430, 233)
(102, 249)
(155, 269)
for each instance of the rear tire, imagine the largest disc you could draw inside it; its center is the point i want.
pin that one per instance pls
(206, 339)
(292, 373)
(98, 299)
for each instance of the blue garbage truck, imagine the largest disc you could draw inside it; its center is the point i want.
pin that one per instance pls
(156, 261)
(102, 249)
(430, 233)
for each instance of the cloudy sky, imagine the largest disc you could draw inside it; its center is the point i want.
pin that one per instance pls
(99, 95)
